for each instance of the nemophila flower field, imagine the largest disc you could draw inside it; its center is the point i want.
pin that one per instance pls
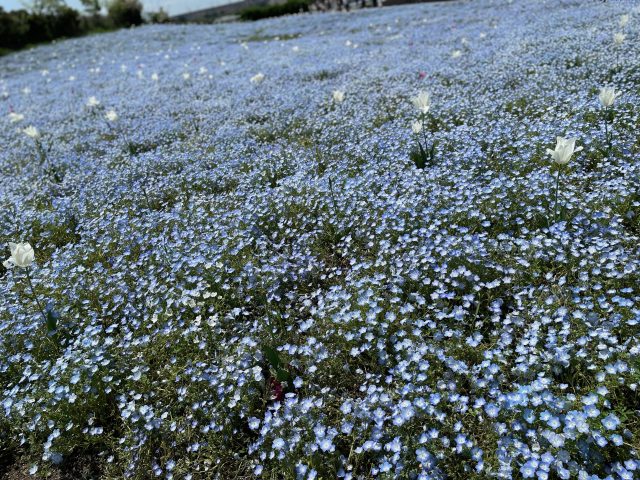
(397, 243)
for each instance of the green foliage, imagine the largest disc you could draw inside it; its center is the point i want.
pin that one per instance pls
(422, 157)
(266, 11)
(161, 16)
(21, 28)
(125, 13)
(92, 7)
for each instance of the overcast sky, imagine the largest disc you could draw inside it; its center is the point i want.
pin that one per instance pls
(171, 6)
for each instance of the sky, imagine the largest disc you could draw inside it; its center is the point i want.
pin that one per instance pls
(172, 6)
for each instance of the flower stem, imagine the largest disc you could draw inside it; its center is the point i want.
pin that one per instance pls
(424, 130)
(606, 130)
(35, 297)
(555, 207)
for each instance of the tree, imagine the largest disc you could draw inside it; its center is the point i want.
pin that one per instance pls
(161, 16)
(92, 7)
(48, 7)
(125, 13)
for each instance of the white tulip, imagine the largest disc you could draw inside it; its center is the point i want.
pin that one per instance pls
(111, 115)
(32, 132)
(93, 102)
(186, 75)
(416, 127)
(257, 78)
(155, 77)
(22, 255)
(624, 19)
(618, 38)
(608, 95)
(456, 54)
(422, 102)
(565, 148)
(15, 117)
(338, 96)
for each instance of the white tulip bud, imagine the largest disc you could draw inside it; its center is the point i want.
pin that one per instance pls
(416, 127)
(15, 117)
(22, 255)
(32, 132)
(338, 96)
(624, 19)
(565, 148)
(111, 115)
(608, 95)
(93, 102)
(422, 102)
(257, 78)
(618, 38)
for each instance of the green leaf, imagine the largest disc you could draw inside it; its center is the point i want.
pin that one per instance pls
(283, 375)
(272, 357)
(52, 320)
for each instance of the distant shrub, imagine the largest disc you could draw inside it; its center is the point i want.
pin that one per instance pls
(125, 13)
(21, 28)
(266, 11)
(14, 28)
(159, 16)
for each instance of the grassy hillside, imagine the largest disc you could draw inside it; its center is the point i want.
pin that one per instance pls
(256, 257)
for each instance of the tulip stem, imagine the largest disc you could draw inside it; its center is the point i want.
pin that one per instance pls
(555, 207)
(424, 130)
(606, 129)
(35, 297)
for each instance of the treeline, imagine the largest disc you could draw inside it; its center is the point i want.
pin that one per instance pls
(49, 20)
(277, 10)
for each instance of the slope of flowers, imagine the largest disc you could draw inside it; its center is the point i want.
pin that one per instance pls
(240, 272)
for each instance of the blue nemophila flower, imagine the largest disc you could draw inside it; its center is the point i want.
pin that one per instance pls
(610, 422)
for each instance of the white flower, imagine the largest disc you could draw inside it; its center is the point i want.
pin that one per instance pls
(295, 49)
(22, 255)
(416, 126)
(257, 78)
(93, 102)
(186, 75)
(422, 102)
(624, 19)
(618, 38)
(203, 70)
(15, 117)
(32, 132)
(338, 96)
(111, 115)
(565, 148)
(608, 95)
(456, 54)
(155, 77)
